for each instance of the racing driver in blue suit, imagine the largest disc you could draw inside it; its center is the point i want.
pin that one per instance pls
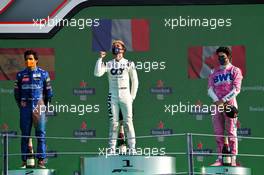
(32, 91)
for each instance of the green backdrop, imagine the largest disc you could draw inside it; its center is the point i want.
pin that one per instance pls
(74, 62)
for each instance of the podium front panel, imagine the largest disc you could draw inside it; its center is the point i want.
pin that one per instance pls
(130, 165)
(32, 172)
(226, 170)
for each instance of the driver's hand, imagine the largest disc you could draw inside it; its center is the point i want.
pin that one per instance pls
(23, 104)
(102, 54)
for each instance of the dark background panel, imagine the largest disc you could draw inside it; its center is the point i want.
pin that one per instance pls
(26, 11)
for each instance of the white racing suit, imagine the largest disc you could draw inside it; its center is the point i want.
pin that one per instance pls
(120, 97)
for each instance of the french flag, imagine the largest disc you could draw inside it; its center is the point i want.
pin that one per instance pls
(133, 32)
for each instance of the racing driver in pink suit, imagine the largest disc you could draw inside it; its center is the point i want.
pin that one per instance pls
(223, 86)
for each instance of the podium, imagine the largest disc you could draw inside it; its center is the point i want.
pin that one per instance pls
(32, 172)
(128, 165)
(226, 170)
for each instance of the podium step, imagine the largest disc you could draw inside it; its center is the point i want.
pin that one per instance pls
(226, 170)
(129, 165)
(32, 172)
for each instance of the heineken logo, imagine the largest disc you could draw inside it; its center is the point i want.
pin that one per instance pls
(88, 133)
(160, 90)
(202, 152)
(244, 131)
(5, 131)
(84, 91)
(83, 132)
(9, 133)
(161, 131)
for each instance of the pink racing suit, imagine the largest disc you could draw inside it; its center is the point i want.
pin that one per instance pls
(224, 84)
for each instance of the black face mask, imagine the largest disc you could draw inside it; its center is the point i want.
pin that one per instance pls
(115, 50)
(221, 60)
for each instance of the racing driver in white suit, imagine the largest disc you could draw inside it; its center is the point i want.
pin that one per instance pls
(120, 72)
